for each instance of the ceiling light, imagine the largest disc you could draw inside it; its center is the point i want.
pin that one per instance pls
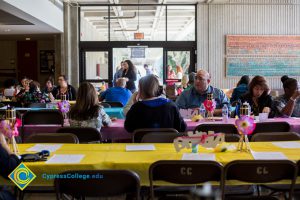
(7, 30)
(27, 38)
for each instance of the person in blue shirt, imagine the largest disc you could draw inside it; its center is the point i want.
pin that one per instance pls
(118, 93)
(196, 95)
(241, 89)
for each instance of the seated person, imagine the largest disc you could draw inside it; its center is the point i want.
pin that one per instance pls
(241, 89)
(118, 93)
(87, 112)
(10, 88)
(8, 162)
(196, 95)
(32, 94)
(49, 85)
(64, 88)
(288, 104)
(153, 111)
(258, 97)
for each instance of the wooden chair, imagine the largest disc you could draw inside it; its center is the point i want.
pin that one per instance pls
(112, 183)
(140, 133)
(260, 171)
(276, 136)
(84, 134)
(52, 138)
(183, 172)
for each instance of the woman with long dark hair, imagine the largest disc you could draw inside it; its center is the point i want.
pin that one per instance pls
(87, 112)
(130, 73)
(258, 97)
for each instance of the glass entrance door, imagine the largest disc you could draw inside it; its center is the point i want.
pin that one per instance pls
(146, 60)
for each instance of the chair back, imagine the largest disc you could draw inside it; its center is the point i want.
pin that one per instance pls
(263, 127)
(184, 172)
(261, 171)
(52, 138)
(37, 105)
(232, 137)
(140, 133)
(38, 117)
(114, 104)
(217, 128)
(84, 134)
(99, 183)
(275, 136)
(163, 137)
(41, 117)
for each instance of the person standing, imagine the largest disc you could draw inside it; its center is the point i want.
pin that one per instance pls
(130, 73)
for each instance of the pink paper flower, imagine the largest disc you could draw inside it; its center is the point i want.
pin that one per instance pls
(7, 130)
(245, 125)
(64, 106)
(209, 105)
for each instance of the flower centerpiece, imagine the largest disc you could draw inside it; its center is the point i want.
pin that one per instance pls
(245, 125)
(210, 106)
(64, 107)
(9, 128)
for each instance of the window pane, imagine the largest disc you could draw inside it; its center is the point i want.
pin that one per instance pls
(178, 64)
(181, 23)
(96, 65)
(127, 20)
(94, 23)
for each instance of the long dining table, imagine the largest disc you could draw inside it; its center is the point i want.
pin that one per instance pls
(115, 156)
(116, 131)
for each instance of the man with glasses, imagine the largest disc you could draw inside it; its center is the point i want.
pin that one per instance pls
(196, 95)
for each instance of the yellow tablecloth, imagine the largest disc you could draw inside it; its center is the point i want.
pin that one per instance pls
(114, 156)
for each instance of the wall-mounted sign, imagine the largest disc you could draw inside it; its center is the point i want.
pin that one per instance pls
(138, 36)
(137, 52)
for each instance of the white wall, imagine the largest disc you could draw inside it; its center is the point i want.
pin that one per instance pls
(217, 21)
(43, 10)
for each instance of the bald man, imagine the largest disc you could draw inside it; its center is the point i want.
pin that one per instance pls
(197, 94)
(118, 93)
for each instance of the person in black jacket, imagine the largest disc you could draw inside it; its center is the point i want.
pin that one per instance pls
(258, 97)
(130, 73)
(64, 88)
(8, 162)
(153, 111)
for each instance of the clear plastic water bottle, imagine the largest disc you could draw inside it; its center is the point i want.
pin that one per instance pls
(202, 111)
(225, 113)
